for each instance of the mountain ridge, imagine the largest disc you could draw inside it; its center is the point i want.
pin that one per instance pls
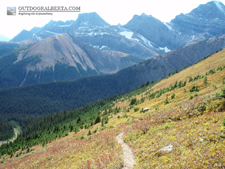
(205, 21)
(179, 31)
(60, 57)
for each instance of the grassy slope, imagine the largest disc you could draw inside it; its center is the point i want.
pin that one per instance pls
(193, 127)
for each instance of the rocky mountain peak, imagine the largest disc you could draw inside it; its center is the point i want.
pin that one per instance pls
(220, 6)
(24, 34)
(209, 11)
(205, 21)
(52, 25)
(152, 29)
(89, 20)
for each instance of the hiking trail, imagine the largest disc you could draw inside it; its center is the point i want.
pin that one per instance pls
(128, 156)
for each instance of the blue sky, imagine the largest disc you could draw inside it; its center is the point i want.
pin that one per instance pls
(113, 12)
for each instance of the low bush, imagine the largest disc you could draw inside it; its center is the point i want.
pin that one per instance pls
(133, 101)
(172, 96)
(136, 109)
(194, 89)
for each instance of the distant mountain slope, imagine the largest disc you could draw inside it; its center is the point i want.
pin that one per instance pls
(51, 97)
(93, 30)
(60, 57)
(176, 60)
(153, 30)
(24, 34)
(117, 38)
(89, 20)
(205, 21)
(145, 35)
(84, 20)
(6, 47)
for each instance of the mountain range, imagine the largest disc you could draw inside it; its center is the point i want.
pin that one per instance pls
(90, 46)
(205, 21)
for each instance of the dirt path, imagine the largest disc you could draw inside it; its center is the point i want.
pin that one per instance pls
(128, 156)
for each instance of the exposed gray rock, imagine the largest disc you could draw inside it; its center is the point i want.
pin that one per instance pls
(153, 30)
(206, 21)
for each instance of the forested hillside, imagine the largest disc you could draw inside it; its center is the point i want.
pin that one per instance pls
(184, 111)
(51, 97)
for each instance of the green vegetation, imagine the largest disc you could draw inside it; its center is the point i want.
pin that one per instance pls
(133, 101)
(221, 95)
(136, 109)
(89, 133)
(167, 100)
(6, 130)
(172, 96)
(160, 92)
(205, 80)
(43, 129)
(7, 47)
(194, 89)
(223, 90)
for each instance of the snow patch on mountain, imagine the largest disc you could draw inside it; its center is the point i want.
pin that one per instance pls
(96, 46)
(146, 41)
(168, 26)
(90, 34)
(127, 34)
(96, 33)
(52, 32)
(166, 49)
(84, 23)
(38, 37)
(104, 47)
(64, 25)
(135, 39)
(219, 6)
